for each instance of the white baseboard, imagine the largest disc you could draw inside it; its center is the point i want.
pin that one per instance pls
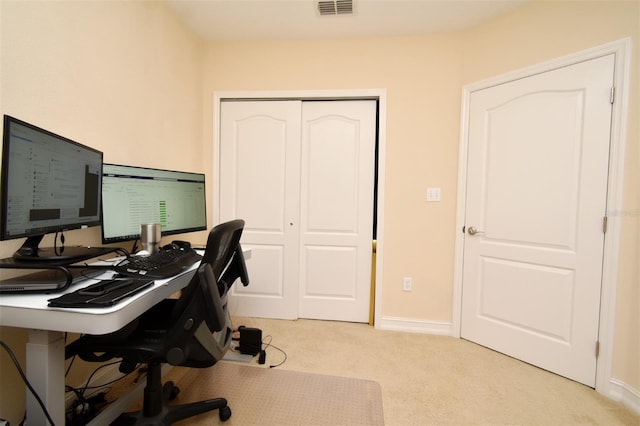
(414, 326)
(628, 396)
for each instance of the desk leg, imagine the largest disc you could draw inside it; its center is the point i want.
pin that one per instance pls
(45, 371)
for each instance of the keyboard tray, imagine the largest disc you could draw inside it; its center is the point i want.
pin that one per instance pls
(101, 294)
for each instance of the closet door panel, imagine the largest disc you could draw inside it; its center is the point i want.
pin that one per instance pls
(259, 182)
(336, 230)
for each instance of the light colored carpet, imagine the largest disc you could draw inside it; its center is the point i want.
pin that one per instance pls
(259, 396)
(425, 379)
(438, 380)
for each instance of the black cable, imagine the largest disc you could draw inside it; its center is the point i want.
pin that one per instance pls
(79, 395)
(26, 382)
(83, 404)
(122, 252)
(84, 407)
(86, 386)
(115, 261)
(80, 401)
(66, 373)
(55, 243)
(267, 344)
(118, 250)
(100, 386)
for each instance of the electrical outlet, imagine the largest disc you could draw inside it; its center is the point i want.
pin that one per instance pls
(407, 283)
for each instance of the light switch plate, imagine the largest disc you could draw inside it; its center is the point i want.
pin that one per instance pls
(433, 194)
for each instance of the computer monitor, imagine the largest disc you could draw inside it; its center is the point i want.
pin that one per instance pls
(49, 184)
(132, 196)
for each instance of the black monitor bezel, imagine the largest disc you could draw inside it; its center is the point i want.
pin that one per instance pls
(8, 121)
(132, 237)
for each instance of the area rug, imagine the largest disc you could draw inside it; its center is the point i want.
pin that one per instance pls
(269, 396)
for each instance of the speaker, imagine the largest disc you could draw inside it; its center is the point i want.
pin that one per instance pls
(250, 340)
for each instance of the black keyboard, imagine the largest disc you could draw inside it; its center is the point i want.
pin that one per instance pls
(165, 263)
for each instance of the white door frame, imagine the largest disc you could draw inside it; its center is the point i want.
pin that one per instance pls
(378, 94)
(622, 51)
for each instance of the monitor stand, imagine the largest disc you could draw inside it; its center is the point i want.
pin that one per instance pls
(30, 252)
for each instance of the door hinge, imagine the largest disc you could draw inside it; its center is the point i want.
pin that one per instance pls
(604, 224)
(597, 349)
(612, 97)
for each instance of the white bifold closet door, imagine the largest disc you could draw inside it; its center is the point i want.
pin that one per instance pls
(301, 174)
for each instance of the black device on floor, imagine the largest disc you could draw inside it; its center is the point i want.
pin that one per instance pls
(101, 294)
(250, 340)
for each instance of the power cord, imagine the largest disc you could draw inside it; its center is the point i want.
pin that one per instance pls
(120, 251)
(86, 386)
(85, 407)
(269, 344)
(55, 243)
(26, 382)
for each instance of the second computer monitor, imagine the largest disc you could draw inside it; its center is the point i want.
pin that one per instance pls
(132, 196)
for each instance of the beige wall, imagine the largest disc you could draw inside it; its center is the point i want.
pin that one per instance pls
(422, 79)
(122, 77)
(127, 78)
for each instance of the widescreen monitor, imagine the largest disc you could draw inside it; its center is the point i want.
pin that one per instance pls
(49, 184)
(132, 196)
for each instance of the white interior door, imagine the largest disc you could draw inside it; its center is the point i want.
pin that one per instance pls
(259, 182)
(538, 154)
(336, 221)
(301, 175)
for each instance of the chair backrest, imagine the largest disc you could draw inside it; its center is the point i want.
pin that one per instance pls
(201, 330)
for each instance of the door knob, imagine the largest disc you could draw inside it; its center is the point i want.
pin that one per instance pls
(473, 231)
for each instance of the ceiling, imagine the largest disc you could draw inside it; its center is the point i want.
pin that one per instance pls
(301, 19)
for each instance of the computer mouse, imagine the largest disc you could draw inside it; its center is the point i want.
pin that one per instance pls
(143, 253)
(182, 245)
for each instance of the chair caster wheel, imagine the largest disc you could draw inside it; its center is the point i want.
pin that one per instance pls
(225, 413)
(170, 391)
(174, 393)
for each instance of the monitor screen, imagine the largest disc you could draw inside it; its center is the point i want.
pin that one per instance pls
(132, 196)
(49, 184)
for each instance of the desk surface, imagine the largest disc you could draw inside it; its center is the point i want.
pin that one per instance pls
(31, 310)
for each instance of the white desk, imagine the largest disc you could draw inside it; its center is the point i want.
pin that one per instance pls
(45, 348)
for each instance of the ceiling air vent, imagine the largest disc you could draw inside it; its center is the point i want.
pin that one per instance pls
(335, 7)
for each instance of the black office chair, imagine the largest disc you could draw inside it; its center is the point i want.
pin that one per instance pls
(193, 330)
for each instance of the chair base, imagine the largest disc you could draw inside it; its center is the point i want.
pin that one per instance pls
(172, 414)
(156, 409)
